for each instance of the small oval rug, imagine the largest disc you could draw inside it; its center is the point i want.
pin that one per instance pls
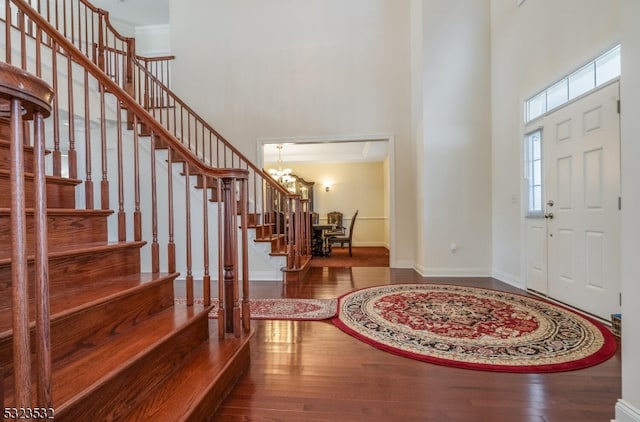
(293, 309)
(474, 328)
(282, 309)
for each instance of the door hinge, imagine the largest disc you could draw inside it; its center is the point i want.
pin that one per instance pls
(620, 298)
(618, 106)
(619, 202)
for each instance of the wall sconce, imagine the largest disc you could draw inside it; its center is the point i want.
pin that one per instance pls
(327, 186)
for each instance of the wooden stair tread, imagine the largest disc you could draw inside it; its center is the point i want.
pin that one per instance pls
(84, 249)
(70, 377)
(6, 143)
(65, 226)
(92, 293)
(63, 211)
(86, 295)
(269, 238)
(211, 369)
(50, 179)
(255, 226)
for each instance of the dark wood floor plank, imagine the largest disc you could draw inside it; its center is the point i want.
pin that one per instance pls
(312, 371)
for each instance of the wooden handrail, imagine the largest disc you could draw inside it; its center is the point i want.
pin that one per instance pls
(142, 117)
(296, 246)
(131, 72)
(136, 106)
(127, 101)
(217, 134)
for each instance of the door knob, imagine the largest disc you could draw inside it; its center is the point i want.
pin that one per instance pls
(549, 215)
(550, 202)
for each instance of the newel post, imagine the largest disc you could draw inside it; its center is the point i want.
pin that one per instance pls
(25, 97)
(230, 257)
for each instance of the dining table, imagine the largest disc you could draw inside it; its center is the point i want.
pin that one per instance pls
(319, 243)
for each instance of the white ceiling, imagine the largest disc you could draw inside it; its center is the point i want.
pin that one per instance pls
(328, 152)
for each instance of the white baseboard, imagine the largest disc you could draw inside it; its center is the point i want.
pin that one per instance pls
(402, 264)
(626, 413)
(510, 279)
(275, 275)
(452, 272)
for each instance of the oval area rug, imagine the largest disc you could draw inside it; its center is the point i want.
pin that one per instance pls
(474, 328)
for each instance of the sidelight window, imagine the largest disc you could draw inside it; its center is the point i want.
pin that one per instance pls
(533, 148)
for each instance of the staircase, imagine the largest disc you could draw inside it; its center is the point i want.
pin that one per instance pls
(120, 348)
(89, 327)
(127, 193)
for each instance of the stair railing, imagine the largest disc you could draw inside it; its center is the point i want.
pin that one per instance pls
(89, 138)
(148, 80)
(267, 198)
(89, 29)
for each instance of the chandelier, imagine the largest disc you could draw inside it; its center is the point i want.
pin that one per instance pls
(281, 175)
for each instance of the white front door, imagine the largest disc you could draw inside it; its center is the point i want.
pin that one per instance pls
(581, 195)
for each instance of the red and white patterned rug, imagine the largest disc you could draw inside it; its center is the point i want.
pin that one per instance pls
(474, 328)
(293, 309)
(284, 309)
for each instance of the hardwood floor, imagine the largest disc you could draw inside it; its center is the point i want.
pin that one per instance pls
(312, 371)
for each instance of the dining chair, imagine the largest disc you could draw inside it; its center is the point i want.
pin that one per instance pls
(334, 218)
(347, 238)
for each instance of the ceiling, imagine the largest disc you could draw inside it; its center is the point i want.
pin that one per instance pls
(328, 152)
(136, 12)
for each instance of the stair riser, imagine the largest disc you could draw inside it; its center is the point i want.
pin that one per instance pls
(127, 388)
(59, 195)
(74, 332)
(67, 271)
(253, 219)
(63, 230)
(221, 389)
(86, 327)
(5, 158)
(5, 128)
(211, 185)
(263, 232)
(277, 245)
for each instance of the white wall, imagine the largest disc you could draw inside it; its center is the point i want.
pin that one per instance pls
(628, 408)
(453, 137)
(291, 69)
(149, 26)
(153, 40)
(320, 68)
(532, 46)
(417, 115)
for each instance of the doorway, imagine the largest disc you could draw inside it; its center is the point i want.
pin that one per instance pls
(349, 173)
(572, 244)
